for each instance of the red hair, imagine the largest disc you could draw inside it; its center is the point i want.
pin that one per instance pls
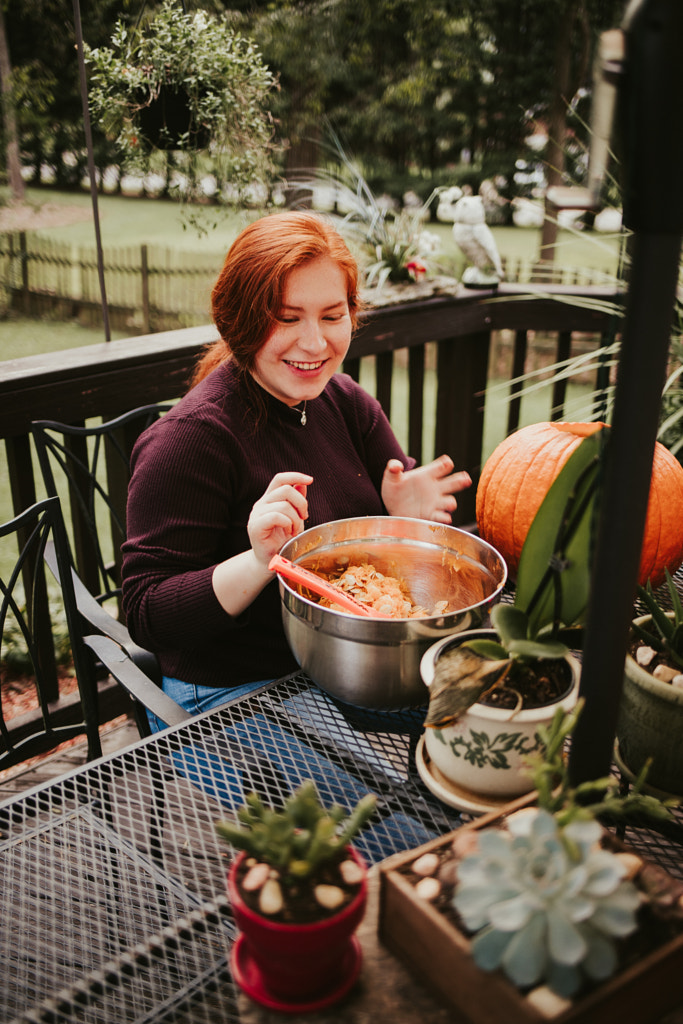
(247, 296)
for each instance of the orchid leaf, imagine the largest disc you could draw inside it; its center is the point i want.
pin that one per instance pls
(538, 648)
(510, 622)
(487, 648)
(553, 580)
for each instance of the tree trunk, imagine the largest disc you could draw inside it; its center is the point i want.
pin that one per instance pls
(301, 158)
(16, 182)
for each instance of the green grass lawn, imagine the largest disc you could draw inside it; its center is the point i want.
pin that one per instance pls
(137, 221)
(22, 337)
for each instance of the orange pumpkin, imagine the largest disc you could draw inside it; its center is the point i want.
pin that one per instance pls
(519, 472)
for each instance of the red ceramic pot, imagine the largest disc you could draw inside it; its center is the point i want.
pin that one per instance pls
(296, 967)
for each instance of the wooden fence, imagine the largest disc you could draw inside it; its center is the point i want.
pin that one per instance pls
(157, 288)
(148, 287)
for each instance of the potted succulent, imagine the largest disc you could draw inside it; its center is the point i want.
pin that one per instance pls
(538, 913)
(650, 723)
(490, 690)
(298, 892)
(187, 83)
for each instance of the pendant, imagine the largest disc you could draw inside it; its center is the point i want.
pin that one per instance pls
(303, 416)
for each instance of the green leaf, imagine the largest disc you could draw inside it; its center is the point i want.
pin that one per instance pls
(556, 557)
(510, 622)
(647, 638)
(676, 642)
(487, 649)
(663, 622)
(538, 648)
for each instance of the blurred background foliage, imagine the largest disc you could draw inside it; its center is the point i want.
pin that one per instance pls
(421, 94)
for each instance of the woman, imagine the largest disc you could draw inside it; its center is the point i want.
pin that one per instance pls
(269, 441)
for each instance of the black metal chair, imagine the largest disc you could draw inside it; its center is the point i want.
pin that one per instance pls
(92, 466)
(142, 688)
(25, 614)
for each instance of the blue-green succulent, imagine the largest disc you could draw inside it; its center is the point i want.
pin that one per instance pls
(546, 902)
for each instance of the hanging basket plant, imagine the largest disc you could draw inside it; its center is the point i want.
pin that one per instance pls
(186, 84)
(168, 121)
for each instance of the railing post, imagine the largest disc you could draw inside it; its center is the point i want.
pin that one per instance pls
(416, 377)
(459, 428)
(564, 344)
(384, 372)
(518, 363)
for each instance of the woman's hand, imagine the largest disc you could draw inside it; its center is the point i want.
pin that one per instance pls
(425, 492)
(278, 515)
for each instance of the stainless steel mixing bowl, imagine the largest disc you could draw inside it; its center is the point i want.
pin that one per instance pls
(371, 662)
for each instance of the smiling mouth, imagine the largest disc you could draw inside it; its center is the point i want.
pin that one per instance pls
(305, 366)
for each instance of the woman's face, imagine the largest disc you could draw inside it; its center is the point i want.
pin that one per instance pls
(311, 337)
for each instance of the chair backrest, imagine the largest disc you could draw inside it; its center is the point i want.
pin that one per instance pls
(90, 466)
(27, 620)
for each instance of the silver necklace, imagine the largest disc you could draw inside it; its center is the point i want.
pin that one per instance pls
(303, 414)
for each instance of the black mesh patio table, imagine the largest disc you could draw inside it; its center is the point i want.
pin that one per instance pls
(112, 879)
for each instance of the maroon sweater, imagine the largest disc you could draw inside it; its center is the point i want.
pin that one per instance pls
(196, 475)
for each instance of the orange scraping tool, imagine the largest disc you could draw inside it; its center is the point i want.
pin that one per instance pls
(297, 574)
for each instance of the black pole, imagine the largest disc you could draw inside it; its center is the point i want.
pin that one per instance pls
(652, 154)
(91, 167)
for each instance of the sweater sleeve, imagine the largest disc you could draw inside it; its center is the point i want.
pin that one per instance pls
(178, 510)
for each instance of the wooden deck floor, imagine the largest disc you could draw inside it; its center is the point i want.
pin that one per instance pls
(117, 736)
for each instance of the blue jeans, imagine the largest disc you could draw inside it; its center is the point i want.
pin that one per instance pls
(196, 699)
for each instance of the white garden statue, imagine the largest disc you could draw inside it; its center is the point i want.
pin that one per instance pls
(473, 236)
(448, 198)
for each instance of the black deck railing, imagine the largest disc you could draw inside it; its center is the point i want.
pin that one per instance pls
(451, 332)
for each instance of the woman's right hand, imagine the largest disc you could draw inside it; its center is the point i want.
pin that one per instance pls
(278, 515)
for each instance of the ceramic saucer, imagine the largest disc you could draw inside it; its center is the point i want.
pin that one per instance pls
(250, 980)
(455, 796)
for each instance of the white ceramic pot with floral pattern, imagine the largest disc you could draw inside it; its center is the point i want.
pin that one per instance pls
(483, 752)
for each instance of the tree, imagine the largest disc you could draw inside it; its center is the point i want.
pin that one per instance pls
(16, 182)
(42, 43)
(408, 86)
(411, 85)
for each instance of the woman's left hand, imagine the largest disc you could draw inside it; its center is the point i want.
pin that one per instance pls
(426, 492)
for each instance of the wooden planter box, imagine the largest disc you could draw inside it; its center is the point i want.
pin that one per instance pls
(432, 947)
